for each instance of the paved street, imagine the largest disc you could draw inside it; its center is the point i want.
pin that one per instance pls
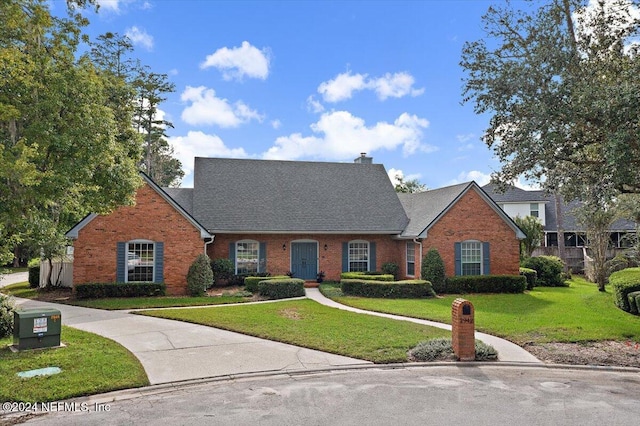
(434, 395)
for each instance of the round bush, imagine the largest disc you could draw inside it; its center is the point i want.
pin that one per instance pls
(6, 315)
(548, 268)
(200, 275)
(391, 268)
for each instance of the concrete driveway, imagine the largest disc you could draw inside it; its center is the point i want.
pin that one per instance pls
(173, 351)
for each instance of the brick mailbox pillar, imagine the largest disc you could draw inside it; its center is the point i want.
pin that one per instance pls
(463, 330)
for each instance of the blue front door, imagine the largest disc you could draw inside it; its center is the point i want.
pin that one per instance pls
(304, 260)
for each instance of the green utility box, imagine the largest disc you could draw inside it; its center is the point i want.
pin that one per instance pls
(36, 328)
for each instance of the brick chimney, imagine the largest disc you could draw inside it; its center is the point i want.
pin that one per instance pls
(363, 159)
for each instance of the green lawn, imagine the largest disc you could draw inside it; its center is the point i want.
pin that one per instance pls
(545, 314)
(90, 364)
(23, 290)
(309, 324)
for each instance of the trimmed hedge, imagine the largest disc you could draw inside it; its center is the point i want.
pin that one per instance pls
(366, 276)
(531, 275)
(281, 288)
(102, 290)
(251, 283)
(634, 302)
(623, 283)
(409, 289)
(483, 284)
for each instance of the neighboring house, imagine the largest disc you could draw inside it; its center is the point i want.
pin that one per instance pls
(519, 202)
(292, 216)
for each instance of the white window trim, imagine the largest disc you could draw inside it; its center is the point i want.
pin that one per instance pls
(153, 266)
(368, 253)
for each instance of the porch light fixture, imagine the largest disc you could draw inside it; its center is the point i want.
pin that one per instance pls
(326, 247)
(284, 247)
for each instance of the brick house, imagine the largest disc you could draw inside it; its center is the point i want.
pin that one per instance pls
(303, 217)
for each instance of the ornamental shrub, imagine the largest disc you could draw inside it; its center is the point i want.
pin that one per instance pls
(7, 309)
(34, 276)
(433, 270)
(441, 349)
(251, 283)
(391, 268)
(549, 269)
(366, 276)
(200, 275)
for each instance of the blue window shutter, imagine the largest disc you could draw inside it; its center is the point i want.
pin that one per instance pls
(458, 258)
(372, 257)
(262, 257)
(121, 262)
(345, 257)
(232, 255)
(159, 263)
(485, 259)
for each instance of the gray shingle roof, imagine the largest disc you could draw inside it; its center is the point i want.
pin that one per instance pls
(234, 195)
(424, 207)
(182, 196)
(513, 194)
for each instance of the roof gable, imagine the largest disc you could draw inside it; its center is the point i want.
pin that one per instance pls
(424, 209)
(73, 232)
(271, 196)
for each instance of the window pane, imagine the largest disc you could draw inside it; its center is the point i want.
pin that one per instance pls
(471, 258)
(247, 257)
(411, 259)
(140, 262)
(359, 257)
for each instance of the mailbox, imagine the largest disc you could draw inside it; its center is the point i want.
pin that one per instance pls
(463, 330)
(36, 328)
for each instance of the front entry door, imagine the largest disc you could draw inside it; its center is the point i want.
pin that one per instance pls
(304, 260)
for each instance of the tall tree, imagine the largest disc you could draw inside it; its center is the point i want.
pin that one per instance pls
(59, 156)
(560, 83)
(409, 186)
(158, 161)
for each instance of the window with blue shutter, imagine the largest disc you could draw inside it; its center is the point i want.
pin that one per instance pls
(121, 262)
(159, 263)
(140, 261)
(472, 258)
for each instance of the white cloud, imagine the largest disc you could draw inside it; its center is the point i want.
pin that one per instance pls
(480, 178)
(276, 124)
(395, 86)
(338, 135)
(208, 109)
(237, 62)
(390, 85)
(200, 144)
(342, 87)
(394, 174)
(109, 5)
(313, 105)
(139, 37)
(522, 183)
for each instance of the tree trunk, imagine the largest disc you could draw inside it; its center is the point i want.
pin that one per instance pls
(560, 225)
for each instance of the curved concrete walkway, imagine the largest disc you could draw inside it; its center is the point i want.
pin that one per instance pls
(507, 351)
(172, 351)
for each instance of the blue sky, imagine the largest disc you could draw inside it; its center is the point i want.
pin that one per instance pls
(313, 80)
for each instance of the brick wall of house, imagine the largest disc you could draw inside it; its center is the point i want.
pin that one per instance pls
(152, 218)
(330, 260)
(471, 218)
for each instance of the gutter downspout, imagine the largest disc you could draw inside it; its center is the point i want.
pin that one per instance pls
(206, 243)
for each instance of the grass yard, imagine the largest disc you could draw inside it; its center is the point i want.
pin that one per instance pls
(90, 364)
(23, 290)
(312, 325)
(546, 314)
